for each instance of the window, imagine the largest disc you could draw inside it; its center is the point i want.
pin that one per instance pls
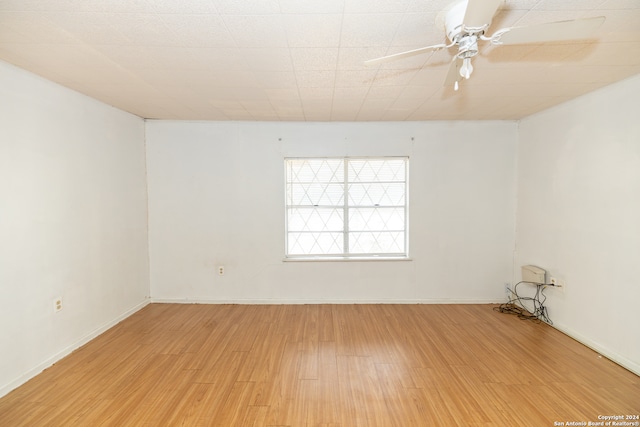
(346, 207)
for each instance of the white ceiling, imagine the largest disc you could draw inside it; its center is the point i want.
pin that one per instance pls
(296, 60)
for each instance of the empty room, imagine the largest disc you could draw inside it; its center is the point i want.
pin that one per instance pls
(333, 213)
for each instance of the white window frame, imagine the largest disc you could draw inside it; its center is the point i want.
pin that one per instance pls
(346, 255)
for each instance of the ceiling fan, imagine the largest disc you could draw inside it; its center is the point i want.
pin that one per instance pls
(466, 23)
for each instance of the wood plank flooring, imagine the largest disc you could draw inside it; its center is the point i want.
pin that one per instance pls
(325, 365)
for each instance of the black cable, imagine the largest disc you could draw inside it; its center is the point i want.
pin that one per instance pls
(517, 304)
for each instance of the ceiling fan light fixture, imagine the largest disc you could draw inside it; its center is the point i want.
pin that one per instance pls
(467, 68)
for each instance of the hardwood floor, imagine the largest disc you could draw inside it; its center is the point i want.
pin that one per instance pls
(325, 365)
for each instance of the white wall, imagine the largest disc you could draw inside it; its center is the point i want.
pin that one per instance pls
(72, 221)
(579, 215)
(216, 197)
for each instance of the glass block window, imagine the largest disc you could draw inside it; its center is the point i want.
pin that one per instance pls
(346, 207)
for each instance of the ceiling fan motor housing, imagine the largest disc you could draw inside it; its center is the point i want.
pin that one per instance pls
(467, 47)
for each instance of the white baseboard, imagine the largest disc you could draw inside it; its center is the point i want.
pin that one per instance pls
(319, 301)
(5, 389)
(614, 357)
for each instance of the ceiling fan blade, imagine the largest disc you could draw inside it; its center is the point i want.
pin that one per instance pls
(480, 13)
(406, 54)
(453, 75)
(551, 31)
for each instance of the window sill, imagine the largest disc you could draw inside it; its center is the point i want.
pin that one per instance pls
(346, 259)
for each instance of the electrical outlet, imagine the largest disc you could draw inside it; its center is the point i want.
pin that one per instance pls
(57, 304)
(221, 270)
